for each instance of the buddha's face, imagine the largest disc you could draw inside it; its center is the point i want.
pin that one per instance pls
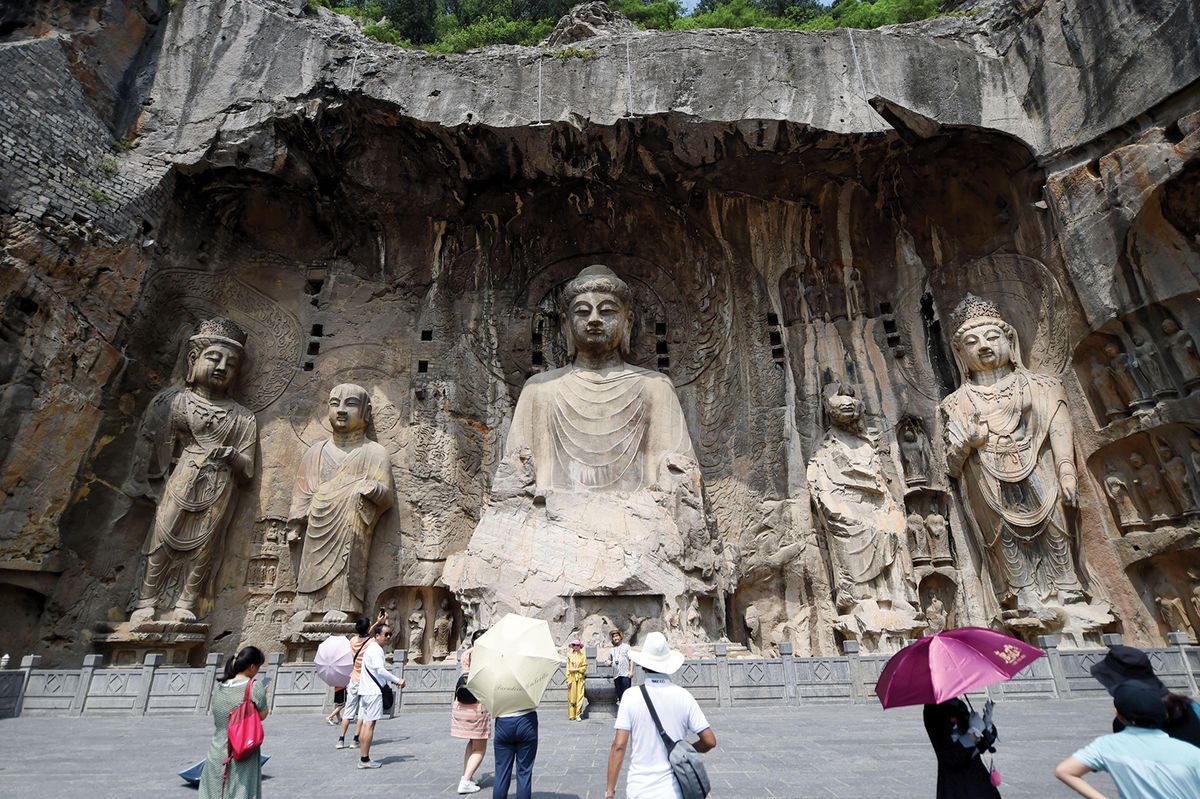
(347, 410)
(216, 367)
(1136, 461)
(1169, 327)
(844, 409)
(599, 321)
(985, 348)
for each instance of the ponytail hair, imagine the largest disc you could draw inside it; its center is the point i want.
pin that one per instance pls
(362, 626)
(244, 659)
(475, 635)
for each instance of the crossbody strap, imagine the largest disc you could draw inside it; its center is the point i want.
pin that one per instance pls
(666, 739)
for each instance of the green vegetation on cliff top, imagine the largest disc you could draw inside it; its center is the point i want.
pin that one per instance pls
(455, 26)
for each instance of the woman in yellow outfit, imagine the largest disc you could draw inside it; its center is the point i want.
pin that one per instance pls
(576, 671)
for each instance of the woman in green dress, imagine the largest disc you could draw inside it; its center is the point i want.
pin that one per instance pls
(244, 778)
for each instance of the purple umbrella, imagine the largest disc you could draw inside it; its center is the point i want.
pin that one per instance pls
(950, 664)
(334, 661)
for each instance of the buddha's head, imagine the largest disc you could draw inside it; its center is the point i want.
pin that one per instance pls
(349, 408)
(1170, 327)
(215, 354)
(598, 307)
(983, 341)
(845, 409)
(1136, 460)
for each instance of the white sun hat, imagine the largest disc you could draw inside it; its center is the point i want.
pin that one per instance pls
(657, 655)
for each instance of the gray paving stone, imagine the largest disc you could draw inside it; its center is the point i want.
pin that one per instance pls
(814, 751)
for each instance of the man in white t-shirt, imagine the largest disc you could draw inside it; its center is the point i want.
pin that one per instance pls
(375, 674)
(650, 775)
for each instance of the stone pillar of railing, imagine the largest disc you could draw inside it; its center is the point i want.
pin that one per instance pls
(274, 662)
(28, 664)
(1182, 640)
(150, 665)
(90, 664)
(850, 648)
(204, 699)
(724, 693)
(1111, 639)
(399, 663)
(1062, 688)
(786, 654)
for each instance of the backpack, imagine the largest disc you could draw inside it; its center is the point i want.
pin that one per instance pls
(245, 728)
(685, 761)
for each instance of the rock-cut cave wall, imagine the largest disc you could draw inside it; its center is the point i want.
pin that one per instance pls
(406, 223)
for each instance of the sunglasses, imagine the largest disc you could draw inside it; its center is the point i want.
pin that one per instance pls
(387, 634)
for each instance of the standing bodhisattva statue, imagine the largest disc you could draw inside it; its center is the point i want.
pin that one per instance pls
(1009, 442)
(343, 486)
(195, 445)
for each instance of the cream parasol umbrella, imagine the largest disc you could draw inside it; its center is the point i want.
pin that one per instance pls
(512, 663)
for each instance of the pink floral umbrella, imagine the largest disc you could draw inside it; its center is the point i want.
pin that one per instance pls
(951, 663)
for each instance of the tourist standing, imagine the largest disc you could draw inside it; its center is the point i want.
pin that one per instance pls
(1129, 664)
(622, 666)
(1142, 759)
(235, 779)
(650, 773)
(375, 675)
(339, 701)
(576, 674)
(515, 742)
(358, 645)
(471, 721)
(959, 738)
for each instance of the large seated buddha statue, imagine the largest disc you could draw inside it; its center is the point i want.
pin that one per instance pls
(598, 491)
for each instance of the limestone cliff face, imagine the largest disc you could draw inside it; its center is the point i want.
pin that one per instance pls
(794, 209)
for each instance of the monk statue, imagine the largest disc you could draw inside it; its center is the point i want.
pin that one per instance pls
(1116, 486)
(1009, 442)
(195, 446)
(598, 490)
(344, 484)
(1182, 348)
(863, 525)
(443, 629)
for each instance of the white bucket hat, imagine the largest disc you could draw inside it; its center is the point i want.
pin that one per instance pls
(657, 655)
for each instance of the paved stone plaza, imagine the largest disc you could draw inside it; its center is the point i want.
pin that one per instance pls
(812, 751)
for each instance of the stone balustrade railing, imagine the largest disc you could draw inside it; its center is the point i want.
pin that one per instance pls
(152, 689)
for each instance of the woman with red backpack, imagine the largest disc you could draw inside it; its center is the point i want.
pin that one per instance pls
(231, 771)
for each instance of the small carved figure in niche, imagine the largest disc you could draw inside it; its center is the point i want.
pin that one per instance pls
(1175, 471)
(195, 445)
(1194, 576)
(1146, 361)
(753, 621)
(1106, 391)
(694, 626)
(1182, 348)
(918, 539)
(1194, 444)
(1149, 490)
(1117, 489)
(1174, 615)
(443, 628)
(935, 614)
(914, 453)
(1010, 442)
(416, 632)
(1128, 378)
(854, 293)
(344, 484)
(939, 537)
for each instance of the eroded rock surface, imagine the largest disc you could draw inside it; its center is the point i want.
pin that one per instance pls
(792, 210)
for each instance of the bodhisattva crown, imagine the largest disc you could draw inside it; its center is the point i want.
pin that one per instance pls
(971, 308)
(221, 329)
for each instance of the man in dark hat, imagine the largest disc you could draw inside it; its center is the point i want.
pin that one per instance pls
(1125, 664)
(1141, 759)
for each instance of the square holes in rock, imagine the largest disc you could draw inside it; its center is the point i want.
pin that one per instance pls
(422, 367)
(426, 335)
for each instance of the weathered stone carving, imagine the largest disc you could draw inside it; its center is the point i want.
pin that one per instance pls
(935, 615)
(1182, 349)
(1127, 377)
(1146, 362)
(443, 629)
(1149, 489)
(918, 539)
(1116, 486)
(599, 489)
(195, 445)
(416, 632)
(1174, 616)
(1010, 444)
(1177, 477)
(1105, 388)
(939, 537)
(342, 487)
(914, 452)
(864, 527)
